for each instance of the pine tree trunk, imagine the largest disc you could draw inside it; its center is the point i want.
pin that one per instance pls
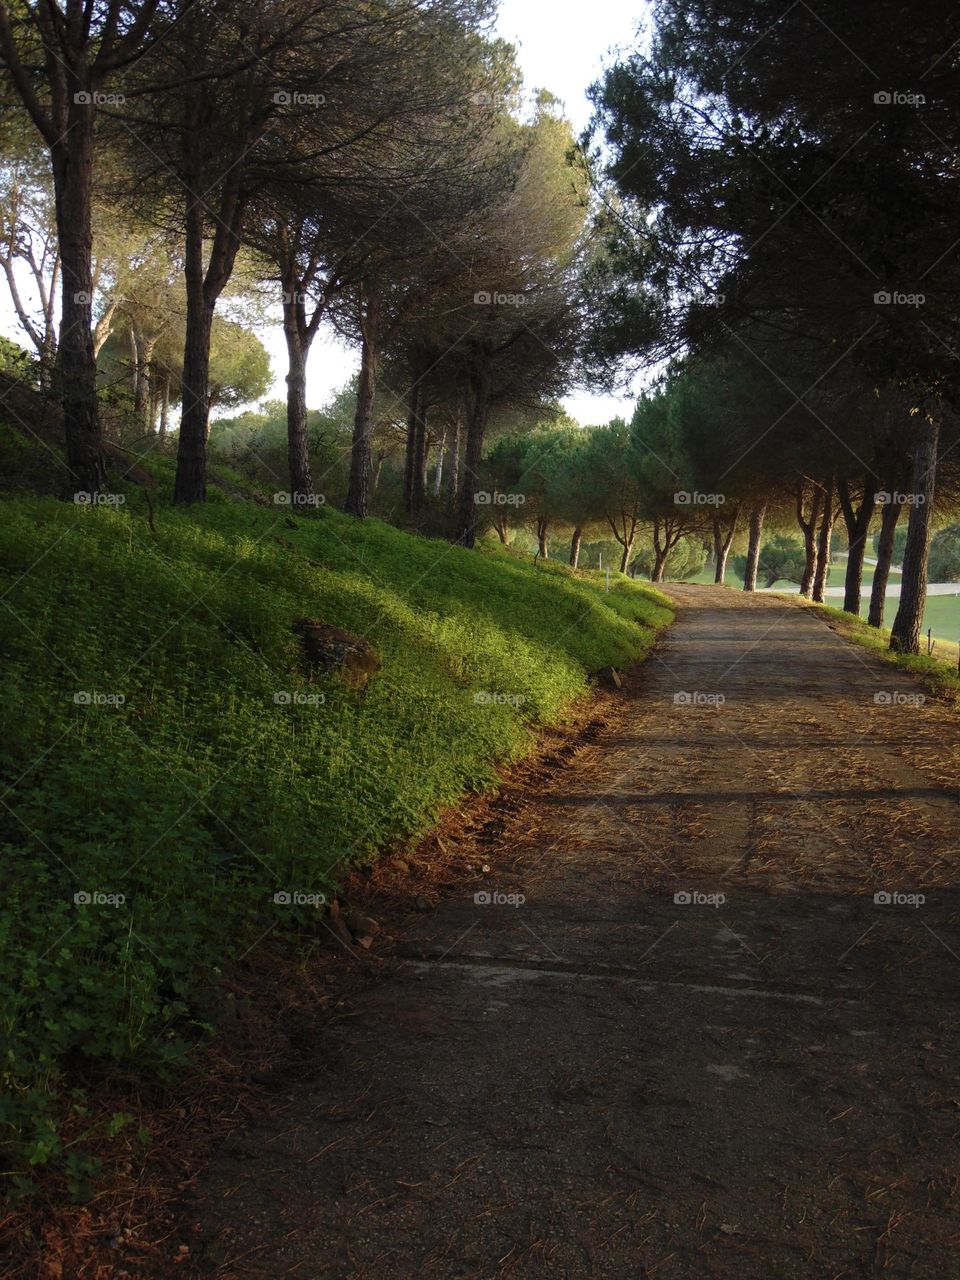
(476, 427)
(824, 536)
(191, 482)
(809, 530)
(542, 528)
(905, 635)
(453, 466)
(359, 485)
(413, 416)
(438, 472)
(659, 563)
(72, 160)
(165, 405)
(625, 559)
(575, 542)
(857, 523)
(881, 573)
(757, 516)
(298, 454)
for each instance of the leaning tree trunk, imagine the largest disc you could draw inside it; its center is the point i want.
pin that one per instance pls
(625, 558)
(905, 635)
(466, 533)
(76, 362)
(298, 454)
(757, 515)
(575, 543)
(881, 573)
(359, 485)
(823, 545)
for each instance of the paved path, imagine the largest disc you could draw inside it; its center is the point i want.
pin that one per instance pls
(611, 1081)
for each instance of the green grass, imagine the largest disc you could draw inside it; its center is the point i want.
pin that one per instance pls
(179, 782)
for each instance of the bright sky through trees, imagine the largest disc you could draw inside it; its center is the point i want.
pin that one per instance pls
(562, 46)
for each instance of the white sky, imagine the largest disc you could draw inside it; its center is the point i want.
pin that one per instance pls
(562, 45)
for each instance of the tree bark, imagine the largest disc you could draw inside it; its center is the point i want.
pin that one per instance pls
(438, 472)
(542, 530)
(413, 417)
(466, 533)
(453, 467)
(144, 353)
(72, 160)
(857, 521)
(905, 635)
(575, 543)
(298, 453)
(722, 542)
(809, 531)
(881, 573)
(191, 481)
(824, 536)
(757, 515)
(165, 405)
(359, 485)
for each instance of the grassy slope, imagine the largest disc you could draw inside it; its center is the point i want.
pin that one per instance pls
(198, 797)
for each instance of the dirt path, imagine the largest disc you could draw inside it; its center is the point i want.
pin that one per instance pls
(608, 1082)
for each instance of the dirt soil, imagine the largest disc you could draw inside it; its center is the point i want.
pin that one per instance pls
(681, 1038)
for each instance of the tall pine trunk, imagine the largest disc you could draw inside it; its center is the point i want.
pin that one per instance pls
(466, 533)
(413, 417)
(191, 481)
(809, 530)
(905, 635)
(438, 471)
(824, 536)
(453, 466)
(165, 404)
(72, 159)
(881, 573)
(359, 485)
(298, 454)
(543, 549)
(575, 543)
(857, 521)
(757, 515)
